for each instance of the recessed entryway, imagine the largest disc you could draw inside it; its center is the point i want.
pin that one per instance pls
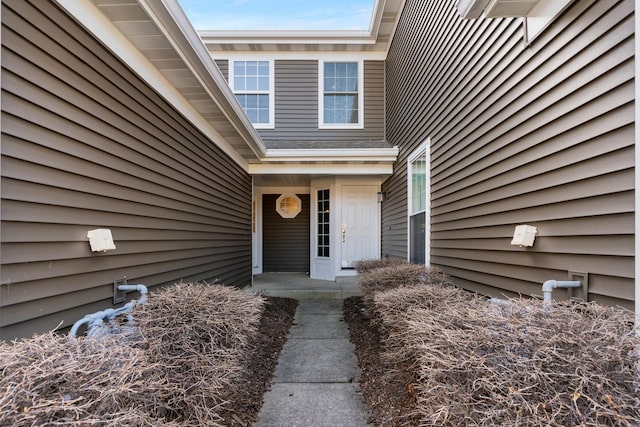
(285, 240)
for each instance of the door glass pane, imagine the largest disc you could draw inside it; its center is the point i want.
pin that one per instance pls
(323, 223)
(418, 238)
(419, 184)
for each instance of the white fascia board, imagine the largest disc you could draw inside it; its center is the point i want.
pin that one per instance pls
(87, 14)
(321, 169)
(332, 155)
(179, 18)
(301, 55)
(288, 36)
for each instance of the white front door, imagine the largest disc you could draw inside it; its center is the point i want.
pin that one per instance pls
(360, 224)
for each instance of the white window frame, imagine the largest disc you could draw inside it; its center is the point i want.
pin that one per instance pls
(360, 123)
(271, 92)
(328, 223)
(423, 148)
(283, 213)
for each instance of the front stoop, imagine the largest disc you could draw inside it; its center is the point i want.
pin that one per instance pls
(299, 286)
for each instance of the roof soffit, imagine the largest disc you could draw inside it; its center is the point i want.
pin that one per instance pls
(377, 38)
(157, 42)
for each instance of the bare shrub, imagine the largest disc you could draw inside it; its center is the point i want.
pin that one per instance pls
(198, 333)
(476, 363)
(53, 379)
(381, 279)
(366, 265)
(174, 369)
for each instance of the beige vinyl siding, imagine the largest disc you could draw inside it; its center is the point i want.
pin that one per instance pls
(541, 135)
(86, 144)
(296, 107)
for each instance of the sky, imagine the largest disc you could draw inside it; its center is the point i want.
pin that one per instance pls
(279, 14)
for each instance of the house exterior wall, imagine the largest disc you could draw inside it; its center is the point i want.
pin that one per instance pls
(296, 107)
(540, 135)
(285, 241)
(86, 144)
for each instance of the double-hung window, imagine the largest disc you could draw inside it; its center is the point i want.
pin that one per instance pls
(419, 205)
(341, 94)
(252, 83)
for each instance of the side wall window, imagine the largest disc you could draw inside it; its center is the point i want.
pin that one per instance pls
(341, 94)
(419, 206)
(252, 83)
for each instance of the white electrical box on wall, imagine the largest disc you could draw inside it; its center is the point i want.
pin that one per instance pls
(101, 240)
(524, 235)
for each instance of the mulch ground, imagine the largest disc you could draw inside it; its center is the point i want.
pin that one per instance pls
(245, 401)
(386, 386)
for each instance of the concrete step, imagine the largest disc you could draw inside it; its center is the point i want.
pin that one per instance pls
(299, 286)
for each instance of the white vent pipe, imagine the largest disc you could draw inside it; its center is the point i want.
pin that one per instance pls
(550, 285)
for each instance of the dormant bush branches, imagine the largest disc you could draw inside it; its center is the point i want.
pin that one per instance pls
(516, 363)
(173, 370)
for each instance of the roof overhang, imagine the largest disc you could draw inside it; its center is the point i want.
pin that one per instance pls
(473, 9)
(157, 41)
(384, 19)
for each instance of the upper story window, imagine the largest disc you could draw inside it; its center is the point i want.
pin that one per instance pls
(252, 83)
(341, 94)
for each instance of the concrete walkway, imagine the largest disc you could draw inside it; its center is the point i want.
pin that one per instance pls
(314, 381)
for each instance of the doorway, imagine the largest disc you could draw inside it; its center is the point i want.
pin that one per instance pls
(360, 224)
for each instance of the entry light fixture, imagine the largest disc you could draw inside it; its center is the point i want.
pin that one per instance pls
(382, 196)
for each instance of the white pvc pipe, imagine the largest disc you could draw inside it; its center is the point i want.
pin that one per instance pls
(550, 285)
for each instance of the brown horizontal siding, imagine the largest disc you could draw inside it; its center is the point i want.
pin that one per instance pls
(541, 135)
(296, 104)
(86, 144)
(223, 66)
(285, 241)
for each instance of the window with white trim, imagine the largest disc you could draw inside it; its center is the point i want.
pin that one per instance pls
(419, 205)
(341, 94)
(252, 83)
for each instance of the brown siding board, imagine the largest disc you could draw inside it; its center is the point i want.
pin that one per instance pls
(112, 85)
(296, 105)
(589, 226)
(152, 268)
(540, 135)
(286, 242)
(173, 158)
(120, 165)
(86, 144)
(543, 181)
(527, 153)
(604, 265)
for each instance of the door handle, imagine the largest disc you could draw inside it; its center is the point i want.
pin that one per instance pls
(344, 232)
